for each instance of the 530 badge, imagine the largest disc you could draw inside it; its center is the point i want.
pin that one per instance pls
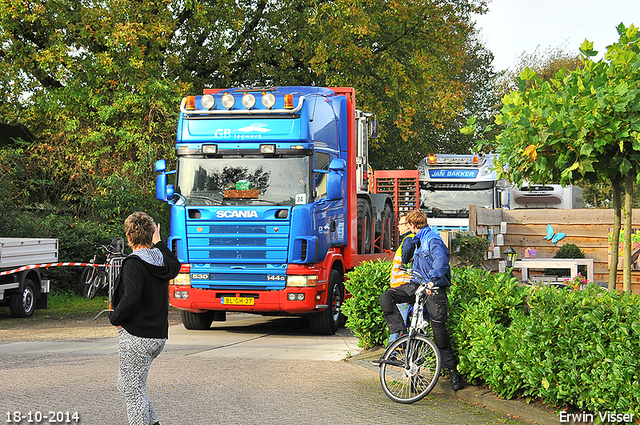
(275, 277)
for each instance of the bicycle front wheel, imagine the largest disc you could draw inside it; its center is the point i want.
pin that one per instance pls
(99, 280)
(410, 369)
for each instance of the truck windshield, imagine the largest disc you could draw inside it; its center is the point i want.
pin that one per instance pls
(445, 202)
(244, 180)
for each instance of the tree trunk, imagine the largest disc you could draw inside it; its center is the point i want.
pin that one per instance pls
(615, 237)
(628, 213)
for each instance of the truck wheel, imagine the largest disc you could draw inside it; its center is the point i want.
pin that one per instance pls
(385, 238)
(23, 303)
(328, 321)
(365, 221)
(197, 321)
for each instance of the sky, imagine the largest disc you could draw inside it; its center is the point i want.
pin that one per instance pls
(513, 27)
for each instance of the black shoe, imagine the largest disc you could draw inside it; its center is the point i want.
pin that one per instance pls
(456, 380)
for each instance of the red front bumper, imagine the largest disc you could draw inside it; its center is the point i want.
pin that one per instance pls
(199, 300)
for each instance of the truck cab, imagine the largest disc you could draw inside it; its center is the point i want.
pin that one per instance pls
(266, 205)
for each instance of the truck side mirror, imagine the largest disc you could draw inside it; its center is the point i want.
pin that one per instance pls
(161, 165)
(337, 164)
(164, 191)
(161, 187)
(504, 199)
(335, 187)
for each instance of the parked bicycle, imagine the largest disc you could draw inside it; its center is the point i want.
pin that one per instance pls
(97, 277)
(410, 366)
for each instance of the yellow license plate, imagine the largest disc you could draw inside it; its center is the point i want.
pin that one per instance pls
(237, 301)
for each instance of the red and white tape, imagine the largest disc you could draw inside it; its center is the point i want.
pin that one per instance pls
(39, 266)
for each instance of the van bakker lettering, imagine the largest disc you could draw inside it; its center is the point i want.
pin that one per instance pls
(236, 214)
(453, 174)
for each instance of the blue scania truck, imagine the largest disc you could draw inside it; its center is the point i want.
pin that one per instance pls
(271, 203)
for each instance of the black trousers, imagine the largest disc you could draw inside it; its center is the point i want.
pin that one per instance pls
(436, 306)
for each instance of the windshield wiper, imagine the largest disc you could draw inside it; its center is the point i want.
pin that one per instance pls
(267, 201)
(206, 198)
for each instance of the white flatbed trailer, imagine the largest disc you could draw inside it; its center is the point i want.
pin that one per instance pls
(24, 290)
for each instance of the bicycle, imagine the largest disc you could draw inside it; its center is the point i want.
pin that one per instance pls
(95, 277)
(410, 366)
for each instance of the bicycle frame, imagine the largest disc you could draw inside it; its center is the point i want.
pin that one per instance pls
(410, 366)
(103, 276)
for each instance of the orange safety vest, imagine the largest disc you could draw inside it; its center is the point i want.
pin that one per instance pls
(399, 277)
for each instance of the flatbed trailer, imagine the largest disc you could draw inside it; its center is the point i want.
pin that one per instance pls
(23, 290)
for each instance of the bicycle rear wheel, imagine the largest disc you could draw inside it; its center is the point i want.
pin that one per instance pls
(409, 381)
(86, 278)
(98, 281)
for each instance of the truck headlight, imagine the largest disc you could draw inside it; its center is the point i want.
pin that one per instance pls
(181, 295)
(248, 100)
(208, 101)
(268, 100)
(228, 100)
(182, 279)
(299, 281)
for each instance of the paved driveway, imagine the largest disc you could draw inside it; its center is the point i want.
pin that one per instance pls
(250, 370)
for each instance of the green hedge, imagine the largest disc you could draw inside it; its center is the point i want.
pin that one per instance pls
(566, 348)
(364, 315)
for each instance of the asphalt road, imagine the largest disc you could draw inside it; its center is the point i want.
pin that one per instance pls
(248, 370)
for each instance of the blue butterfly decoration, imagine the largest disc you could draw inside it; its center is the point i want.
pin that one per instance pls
(553, 237)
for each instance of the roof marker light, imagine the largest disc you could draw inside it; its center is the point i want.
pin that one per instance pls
(288, 101)
(432, 159)
(191, 103)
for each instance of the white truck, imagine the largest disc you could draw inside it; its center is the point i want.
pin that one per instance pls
(551, 196)
(21, 287)
(449, 183)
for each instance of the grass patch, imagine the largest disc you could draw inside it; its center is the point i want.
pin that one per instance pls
(62, 306)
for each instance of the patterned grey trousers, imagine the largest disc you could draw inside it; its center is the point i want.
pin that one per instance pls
(135, 355)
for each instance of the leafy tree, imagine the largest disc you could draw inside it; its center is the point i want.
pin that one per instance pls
(545, 63)
(99, 82)
(580, 124)
(88, 82)
(407, 61)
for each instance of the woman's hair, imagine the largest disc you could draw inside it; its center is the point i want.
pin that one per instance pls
(139, 228)
(417, 218)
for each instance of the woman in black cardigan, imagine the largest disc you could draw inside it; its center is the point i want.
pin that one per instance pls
(141, 309)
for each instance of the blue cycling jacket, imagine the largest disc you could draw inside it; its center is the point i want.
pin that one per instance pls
(431, 258)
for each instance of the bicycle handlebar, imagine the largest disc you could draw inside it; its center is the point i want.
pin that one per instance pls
(109, 249)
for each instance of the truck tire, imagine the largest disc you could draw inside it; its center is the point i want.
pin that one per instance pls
(23, 303)
(385, 238)
(197, 321)
(328, 321)
(365, 220)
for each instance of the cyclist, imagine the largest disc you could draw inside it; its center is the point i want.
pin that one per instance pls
(403, 256)
(431, 260)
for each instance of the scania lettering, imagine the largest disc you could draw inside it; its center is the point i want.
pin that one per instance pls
(270, 203)
(237, 214)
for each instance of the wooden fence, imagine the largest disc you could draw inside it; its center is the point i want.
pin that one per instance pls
(587, 228)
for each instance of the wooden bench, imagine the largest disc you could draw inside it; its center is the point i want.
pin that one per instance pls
(555, 263)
